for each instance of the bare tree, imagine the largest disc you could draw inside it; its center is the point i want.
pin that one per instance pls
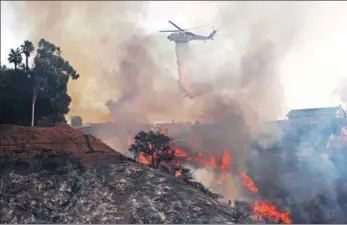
(240, 210)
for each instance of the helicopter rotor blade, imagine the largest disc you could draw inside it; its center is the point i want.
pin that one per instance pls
(196, 27)
(176, 26)
(169, 31)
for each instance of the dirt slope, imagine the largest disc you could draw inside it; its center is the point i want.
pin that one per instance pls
(60, 175)
(22, 143)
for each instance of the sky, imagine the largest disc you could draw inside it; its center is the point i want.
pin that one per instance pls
(310, 71)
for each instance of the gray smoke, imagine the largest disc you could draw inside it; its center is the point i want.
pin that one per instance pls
(123, 65)
(189, 88)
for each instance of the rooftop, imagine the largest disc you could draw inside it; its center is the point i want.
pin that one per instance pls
(313, 111)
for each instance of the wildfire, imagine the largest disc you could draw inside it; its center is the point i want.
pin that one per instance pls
(180, 153)
(246, 180)
(178, 173)
(223, 178)
(261, 208)
(268, 210)
(144, 160)
(226, 161)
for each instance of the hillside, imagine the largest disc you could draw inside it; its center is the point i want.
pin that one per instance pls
(24, 143)
(59, 175)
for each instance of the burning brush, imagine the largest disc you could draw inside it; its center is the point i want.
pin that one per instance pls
(261, 209)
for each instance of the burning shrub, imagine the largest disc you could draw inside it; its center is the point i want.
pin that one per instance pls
(154, 147)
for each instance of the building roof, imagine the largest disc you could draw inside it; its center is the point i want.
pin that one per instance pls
(313, 111)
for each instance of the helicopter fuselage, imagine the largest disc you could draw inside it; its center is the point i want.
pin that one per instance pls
(180, 37)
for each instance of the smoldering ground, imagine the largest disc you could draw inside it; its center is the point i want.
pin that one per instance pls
(118, 60)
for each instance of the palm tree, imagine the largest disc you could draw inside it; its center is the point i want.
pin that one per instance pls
(27, 49)
(15, 57)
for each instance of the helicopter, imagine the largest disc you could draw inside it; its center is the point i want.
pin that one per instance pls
(183, 36)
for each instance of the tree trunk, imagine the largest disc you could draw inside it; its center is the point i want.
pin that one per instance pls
(157, 163)
(15, 66)
(153, 161)
(33, 105)
(26, 64)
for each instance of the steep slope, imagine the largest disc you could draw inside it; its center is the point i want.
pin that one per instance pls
(59, 175)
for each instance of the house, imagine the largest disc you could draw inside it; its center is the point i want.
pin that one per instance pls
(315, 115)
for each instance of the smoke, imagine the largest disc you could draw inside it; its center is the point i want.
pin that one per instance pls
(342, 91)
(123, 69)
(102, 41)
(191, 90)
(232, 82)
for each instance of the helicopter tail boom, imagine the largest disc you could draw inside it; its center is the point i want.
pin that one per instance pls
(212, 34)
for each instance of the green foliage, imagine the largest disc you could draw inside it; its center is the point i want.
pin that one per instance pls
(15, 57)
(27, 48)
(154, 145)
(186, 174)
(76, 121)
(15, 97)
(44, 85)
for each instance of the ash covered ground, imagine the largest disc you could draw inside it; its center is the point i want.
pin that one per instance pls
(123, 192)
(303, 173)
(59, 175)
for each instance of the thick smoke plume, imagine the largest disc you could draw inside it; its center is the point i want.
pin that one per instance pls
(189, 89)
(125, 76)
(104, 40)
(123, 66)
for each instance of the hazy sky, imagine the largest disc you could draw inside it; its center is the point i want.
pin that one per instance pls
(310, 72)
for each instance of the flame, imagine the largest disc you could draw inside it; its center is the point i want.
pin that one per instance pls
(144, 160)
(223, 178)
(164, 131)
(211, 162)
(247, 181)
(268, 210)
(226, 161)
(178, 173)
(180, 153)
(261, 208)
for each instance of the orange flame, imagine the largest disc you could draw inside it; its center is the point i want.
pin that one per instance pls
(261, 208)
(181, 153)
(247, 181)
(144, 160)
(268, 210)
(226, 161)
(178, 173)
(223, 178)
